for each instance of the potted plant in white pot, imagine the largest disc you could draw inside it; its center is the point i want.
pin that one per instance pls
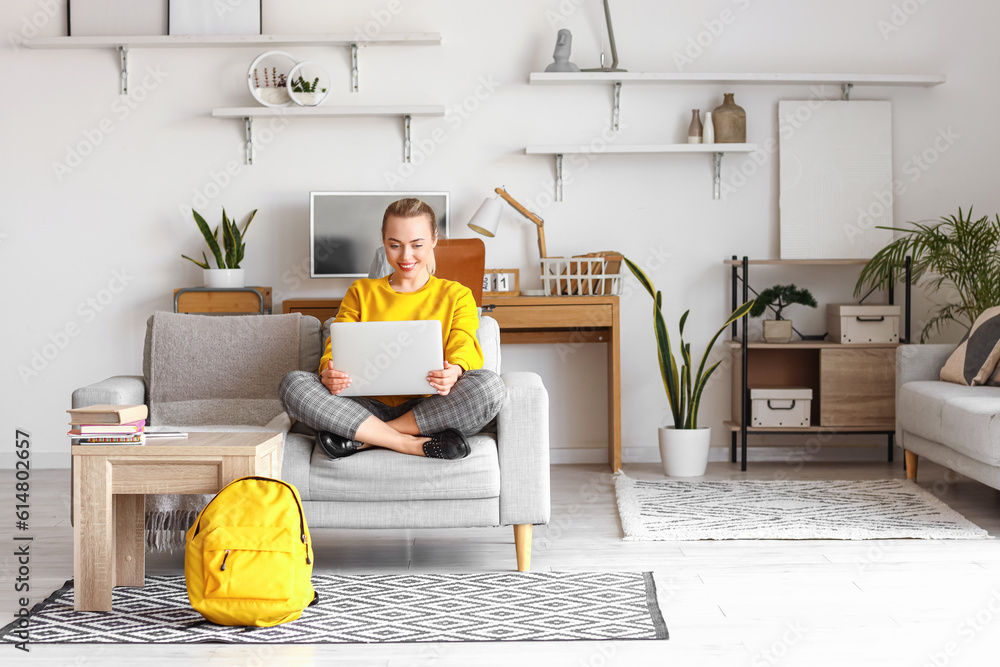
(684, 446)
(229, 273)
(777, 298)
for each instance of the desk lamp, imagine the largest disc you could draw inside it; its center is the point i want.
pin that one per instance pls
(487, 218)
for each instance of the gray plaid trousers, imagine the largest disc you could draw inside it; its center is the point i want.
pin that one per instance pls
(474, 399)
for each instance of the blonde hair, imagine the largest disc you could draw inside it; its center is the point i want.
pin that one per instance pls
(413, 208)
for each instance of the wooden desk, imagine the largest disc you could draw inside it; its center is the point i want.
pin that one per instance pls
(541, 319)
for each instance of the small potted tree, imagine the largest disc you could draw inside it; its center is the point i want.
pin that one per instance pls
(777, 298)
(684, 446)
(229, 273)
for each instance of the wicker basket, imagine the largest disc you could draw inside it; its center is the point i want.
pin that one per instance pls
(561, 276)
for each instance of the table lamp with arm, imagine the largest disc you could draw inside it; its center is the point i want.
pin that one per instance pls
(487, 218)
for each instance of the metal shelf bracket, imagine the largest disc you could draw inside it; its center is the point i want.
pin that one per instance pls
(407, 144)
(559, 177)
(846, 90)
(616, 112)
(123, 60)
(717, 178)
(354, 67)
(248, 123)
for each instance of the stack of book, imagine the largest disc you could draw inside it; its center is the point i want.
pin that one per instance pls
(108, 425)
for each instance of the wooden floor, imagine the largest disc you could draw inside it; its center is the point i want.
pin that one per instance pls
(756, 603)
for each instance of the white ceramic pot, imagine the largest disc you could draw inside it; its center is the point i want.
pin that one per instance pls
(684, 452)
(777, 331)
(223, 277)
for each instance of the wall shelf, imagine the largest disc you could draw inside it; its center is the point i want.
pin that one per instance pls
(735, 78)
(124, 43)
(715, 149)
(403, 112)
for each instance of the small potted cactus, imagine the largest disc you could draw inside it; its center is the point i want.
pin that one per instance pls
(306, 93)
(274, 91)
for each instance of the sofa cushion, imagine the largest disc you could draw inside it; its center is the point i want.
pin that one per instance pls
(219, 370)
(966, 419)
(974, 361)
(385, 475)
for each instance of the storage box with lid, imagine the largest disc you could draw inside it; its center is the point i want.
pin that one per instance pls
(780, 407)
(853, 323)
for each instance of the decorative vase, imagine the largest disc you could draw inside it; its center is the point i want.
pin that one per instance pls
(684, 452)
(777, 331)
(730, 122)
(223, 277)
(708, 132)
(695, 129)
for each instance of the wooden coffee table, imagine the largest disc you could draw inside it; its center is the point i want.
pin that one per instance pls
(109, 508)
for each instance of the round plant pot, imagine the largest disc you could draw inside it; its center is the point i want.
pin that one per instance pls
(684, 452)
(223, 277)
(777, 331)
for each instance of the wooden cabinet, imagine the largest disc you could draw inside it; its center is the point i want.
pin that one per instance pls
(321, 309)
(228, 301)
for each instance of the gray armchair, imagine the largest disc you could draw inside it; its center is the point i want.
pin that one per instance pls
(503, 482)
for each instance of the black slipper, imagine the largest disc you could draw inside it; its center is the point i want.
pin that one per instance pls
(336, 446)
(448, 444)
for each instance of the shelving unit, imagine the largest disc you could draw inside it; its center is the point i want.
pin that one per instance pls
(716, 149)
(403, 112)
(853, 385)
(617, 79)
(123, 44)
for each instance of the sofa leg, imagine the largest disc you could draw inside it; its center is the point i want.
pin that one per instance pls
(522, 543)
(911, 465)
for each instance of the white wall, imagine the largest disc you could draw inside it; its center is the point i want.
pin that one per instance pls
(65, 237)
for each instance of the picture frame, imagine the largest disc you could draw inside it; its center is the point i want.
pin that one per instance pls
(501, 282)
(229, 17)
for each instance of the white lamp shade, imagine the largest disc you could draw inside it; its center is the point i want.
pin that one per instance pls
(487, 218)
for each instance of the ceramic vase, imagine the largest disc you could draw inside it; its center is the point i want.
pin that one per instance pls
(695, 128)
(684, 452)
(730, 122)
(708, 132)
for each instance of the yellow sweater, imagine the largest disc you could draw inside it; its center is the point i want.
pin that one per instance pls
(374, 300)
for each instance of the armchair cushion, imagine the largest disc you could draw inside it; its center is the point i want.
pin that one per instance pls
(966, 419)
(384, 475)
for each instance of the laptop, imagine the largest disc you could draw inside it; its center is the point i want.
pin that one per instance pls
(387, 358)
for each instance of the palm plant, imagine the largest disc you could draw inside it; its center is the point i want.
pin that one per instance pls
(684, 387)
(232, 241)
(958, 252)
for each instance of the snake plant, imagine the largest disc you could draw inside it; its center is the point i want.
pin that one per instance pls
(232, 241)
(684, 388)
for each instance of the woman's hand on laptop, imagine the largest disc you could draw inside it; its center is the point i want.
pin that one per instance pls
(334, 380)
(444, 380)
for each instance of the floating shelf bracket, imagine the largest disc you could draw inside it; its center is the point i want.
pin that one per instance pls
(616, 112)
(123, 60)
(846, 89)
(407, 145)
(559, 177)
(248, 122)
(354, 67)
(717, 178)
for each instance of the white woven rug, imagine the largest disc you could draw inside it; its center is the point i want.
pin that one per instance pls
(785, 510)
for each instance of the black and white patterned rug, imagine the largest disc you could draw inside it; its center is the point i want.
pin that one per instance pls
(785, 510)
(368, 608)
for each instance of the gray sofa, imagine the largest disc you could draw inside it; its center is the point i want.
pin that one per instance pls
(504, 481)
(950, 424)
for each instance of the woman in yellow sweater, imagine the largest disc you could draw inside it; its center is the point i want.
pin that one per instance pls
(466, 397)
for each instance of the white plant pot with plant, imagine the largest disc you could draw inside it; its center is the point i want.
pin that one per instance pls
(306, 93)
(777, 298)
(684, 446)
(228, 274)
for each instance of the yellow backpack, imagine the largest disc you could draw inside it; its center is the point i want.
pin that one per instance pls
(248, 560)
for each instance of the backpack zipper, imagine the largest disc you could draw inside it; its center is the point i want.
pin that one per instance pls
(302, 515)
(223, 568)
